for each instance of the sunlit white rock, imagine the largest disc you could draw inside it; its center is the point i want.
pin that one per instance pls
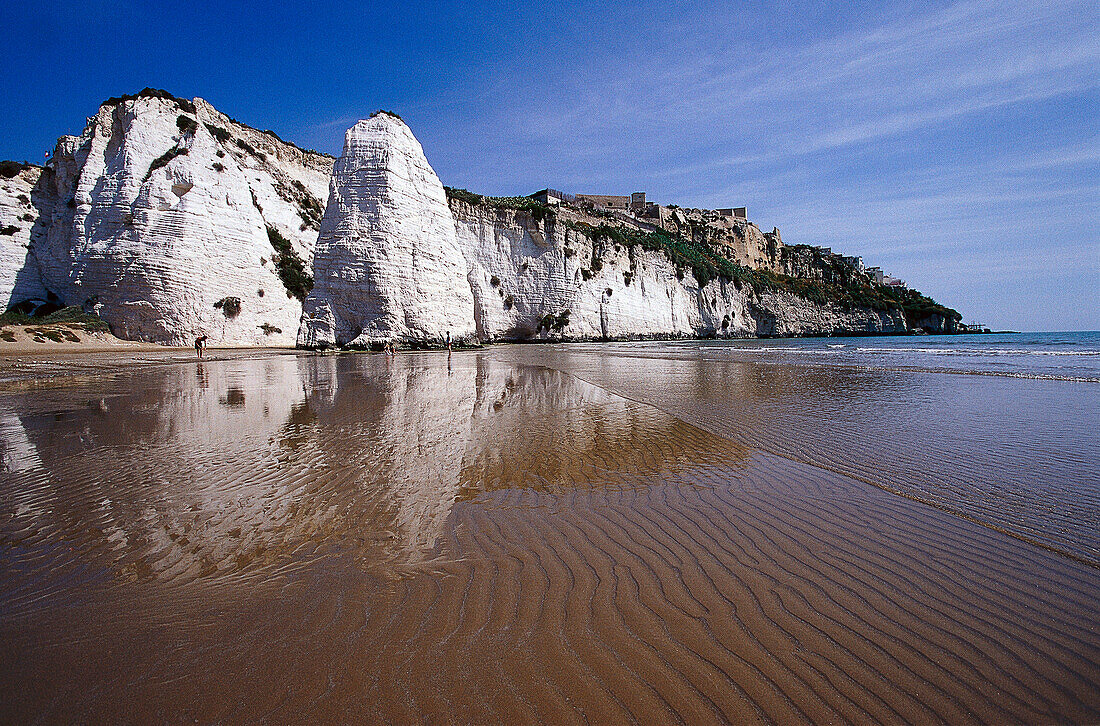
(20, 209)
(158, 219)
(387, 265)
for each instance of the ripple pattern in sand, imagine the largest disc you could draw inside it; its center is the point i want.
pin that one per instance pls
(477, 541)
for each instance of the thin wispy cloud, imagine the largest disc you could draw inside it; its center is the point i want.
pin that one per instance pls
(853, 89)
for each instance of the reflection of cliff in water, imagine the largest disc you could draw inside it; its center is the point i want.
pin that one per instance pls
(163, 472)
(247, 469)
(542, 429)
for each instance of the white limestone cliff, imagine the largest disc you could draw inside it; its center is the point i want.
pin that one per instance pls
(161, 223)
(20, 210)
(521, 271)
(524, 270)
(170, 220)
(387, 265)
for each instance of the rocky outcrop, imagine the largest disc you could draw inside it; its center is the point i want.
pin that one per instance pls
(547, 279)
(783, 315)
(931, 321)
(388, 266)
(21, 209)
(740, 240)
(169, 220)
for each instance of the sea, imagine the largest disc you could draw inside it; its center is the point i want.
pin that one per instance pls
(1060, 356)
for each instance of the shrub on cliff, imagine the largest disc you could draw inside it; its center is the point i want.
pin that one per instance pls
(181, 103)
(9, 169)
(186, 124)
(311, 210)
(556, 323)
(218, 133)
(244, 145)
(537, 209)
(463, 195)
(291, 268)
(163, 160)
(72, 315)
(230, 306)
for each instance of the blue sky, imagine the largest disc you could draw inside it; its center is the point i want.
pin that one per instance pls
(956, 144)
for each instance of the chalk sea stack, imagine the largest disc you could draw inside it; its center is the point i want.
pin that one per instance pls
(387, 265)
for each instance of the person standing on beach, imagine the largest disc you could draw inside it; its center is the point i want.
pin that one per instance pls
(448, 340)
(200, 345)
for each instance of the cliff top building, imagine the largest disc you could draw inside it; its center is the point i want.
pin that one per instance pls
(636, 203)
(552, 197)
(735, 212)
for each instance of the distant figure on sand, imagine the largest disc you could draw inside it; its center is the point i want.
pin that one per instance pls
(448, 340)
(200, 345)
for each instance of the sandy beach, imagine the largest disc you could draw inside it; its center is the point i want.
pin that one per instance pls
(526, 534)
(29, 358)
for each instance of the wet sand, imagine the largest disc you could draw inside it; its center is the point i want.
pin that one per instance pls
(525, 534)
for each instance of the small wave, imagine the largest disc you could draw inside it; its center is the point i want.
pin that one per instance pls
(975, 372)
(1030, 376)
(837, 345)
(977, 352)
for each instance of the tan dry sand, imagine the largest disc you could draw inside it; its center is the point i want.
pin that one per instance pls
(35, 358)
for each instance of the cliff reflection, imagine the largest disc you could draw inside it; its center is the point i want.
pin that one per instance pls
(247, 470)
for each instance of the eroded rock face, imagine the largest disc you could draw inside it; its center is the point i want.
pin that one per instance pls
(785, 315)
(21, 208)
(387, 265)
(524, 271)
(170, 221)
(161, 223)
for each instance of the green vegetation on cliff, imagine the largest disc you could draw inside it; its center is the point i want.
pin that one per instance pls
(707, 264)
(72, 315)
(537, 209)
(291, 268)
(163, 160)
(181, 103)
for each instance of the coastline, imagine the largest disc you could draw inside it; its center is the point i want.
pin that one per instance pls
(27, 363)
